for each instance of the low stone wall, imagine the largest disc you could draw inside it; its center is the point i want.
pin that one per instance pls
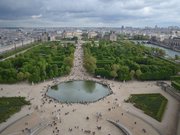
(83, 102)
(167, 88)
(3, 129)
(178, 124)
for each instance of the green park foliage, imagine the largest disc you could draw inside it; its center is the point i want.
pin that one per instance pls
(11, 105)
(153, 105)
(46, 61)
(175, 82)
(123, 60)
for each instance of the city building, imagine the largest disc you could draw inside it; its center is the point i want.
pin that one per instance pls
(92, 34)
(44, 37)
(173, 43)
(113, 37)
(67, 34)
(110, 36)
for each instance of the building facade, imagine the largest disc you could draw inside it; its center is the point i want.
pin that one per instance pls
(113, 37)
(173, 43)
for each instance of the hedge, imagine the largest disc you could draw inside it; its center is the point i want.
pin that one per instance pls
(176, 85)
(175, 78)
(102, 72)
(162, 109)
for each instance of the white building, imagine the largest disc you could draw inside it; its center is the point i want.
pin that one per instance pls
(113, 37)
(92, 34)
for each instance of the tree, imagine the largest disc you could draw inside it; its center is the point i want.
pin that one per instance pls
(6, 64)
(68, 69)
(132, 65)
(176, 57)
(158, 52)
(132, 73)
(90, 64)
(68, 61)
(138, 73)
(20, 76)
(161, 53)
(26, 75)
(123, 73)
(102, 72)
(113, 74)
(35, 75)
(115, 67)
(55, 69)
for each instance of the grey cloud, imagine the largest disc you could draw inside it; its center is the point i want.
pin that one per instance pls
(77, 12)
(17, 9)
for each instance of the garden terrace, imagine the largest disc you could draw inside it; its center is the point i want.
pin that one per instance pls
(124, 60)
(46, 61)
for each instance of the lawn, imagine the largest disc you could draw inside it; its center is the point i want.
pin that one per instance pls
(153, 105)
(10, 106)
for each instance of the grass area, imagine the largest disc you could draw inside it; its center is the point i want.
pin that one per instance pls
(153, 105)
(10, 106)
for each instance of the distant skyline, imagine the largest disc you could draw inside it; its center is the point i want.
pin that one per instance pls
(89, 13)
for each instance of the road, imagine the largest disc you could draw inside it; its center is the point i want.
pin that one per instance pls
(78, 70)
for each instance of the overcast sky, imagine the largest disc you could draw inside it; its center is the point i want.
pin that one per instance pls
(97, 13)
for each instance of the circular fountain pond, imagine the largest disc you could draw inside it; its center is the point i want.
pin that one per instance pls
(78, 91)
